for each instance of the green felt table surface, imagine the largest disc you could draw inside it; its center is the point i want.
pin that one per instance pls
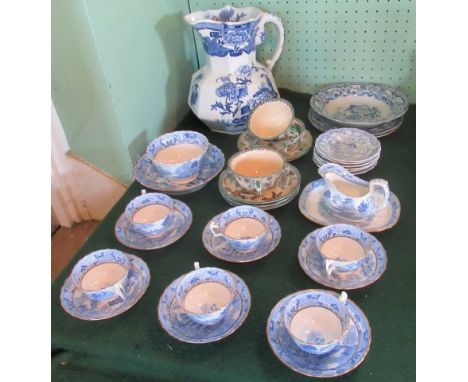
(133, 346)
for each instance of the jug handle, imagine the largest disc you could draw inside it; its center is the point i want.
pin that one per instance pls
(269, 18)
(382, 184)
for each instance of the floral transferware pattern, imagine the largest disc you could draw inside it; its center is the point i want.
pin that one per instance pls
(179, 325)
(312, 207)
(340, 361)
(80, 306)
(233, 82)
(347, 145)
(180, 224)
(311, 264)
(222, 250)
(147, 175)
(381, 130)
(359, 103)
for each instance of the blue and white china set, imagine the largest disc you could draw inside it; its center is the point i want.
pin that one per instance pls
(208, 304)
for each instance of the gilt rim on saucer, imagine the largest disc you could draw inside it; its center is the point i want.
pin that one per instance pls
(145, 275)
(244, 313)
(182, 189)
(376, 246)
(394, 202)
(358, 311)
(274, 243)
(177, 205)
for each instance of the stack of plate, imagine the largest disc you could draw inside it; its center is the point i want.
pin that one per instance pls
(354, 149)
(375, 108)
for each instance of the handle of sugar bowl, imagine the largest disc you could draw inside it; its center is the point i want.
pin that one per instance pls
(261, 34)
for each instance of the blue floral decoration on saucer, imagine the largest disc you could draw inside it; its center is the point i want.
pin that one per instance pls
(309, 260)
(312, 207)
(371, 103)
(78, 305)
(180, 326)
(340, 361)
(147, 175)
(126, 234)
(380, 130)
(219, 248)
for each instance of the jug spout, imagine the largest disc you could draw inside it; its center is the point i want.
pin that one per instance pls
(227, 14)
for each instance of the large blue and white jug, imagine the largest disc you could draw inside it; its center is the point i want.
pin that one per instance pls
(233, 82)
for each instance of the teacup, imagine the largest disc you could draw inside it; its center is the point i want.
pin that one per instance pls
(103, 274)
(151, 213)
(343, 248)
(178, 155)
(206, 294)
(257, 169)
(317, 321)
(271, 120)
(244, 228)
(350, 197)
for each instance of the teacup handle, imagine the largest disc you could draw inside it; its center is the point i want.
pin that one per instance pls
(258, 188)
(212, 227)
(343, 297)
(380, 184)
(330, 266)
(269, 18)
(119, 291)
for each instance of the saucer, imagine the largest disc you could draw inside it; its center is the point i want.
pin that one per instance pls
(126, 234)
(381, 130)
(339, 361)
(247, 140)
(359, 104)
(348, 146)
(76, 304)
(285, 190)
(178, 324)
(312, 207)
(147, 175)
(309, 259)
(222, 250)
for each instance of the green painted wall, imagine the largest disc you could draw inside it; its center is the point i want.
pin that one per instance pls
(121, 72)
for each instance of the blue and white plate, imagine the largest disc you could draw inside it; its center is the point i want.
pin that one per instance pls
(180, 326)
(78, 305)
(219, 248)
(126, 234)
(147, 175)
(348, 146)
(359, 104)
(340, 361)
(312, 207)
(380, 130)
(311, 264)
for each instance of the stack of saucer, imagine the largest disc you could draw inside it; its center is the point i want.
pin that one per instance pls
(104, 284)
(354, 149)
(259, 177)
(375, 108)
